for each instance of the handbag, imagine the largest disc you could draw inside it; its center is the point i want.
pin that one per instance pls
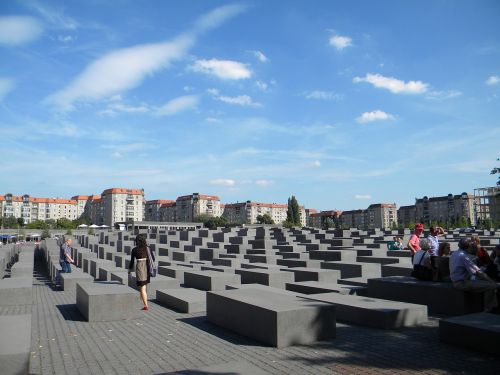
(421, 272)
(152, 266)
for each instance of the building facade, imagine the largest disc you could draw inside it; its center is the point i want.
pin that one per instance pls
(155, 209)
(188, 207)
(247, 212)
(447, 210)
(120, 205)
(324, 219)
(406, 216)
(30, 208)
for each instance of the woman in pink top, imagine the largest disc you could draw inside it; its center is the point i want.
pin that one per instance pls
(414, 241)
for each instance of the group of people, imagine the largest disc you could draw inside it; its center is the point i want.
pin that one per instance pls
(141, 256)
(469, 268)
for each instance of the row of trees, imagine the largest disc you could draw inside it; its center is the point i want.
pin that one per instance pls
(15, 223)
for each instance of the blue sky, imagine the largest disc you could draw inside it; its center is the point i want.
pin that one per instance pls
(341, 103)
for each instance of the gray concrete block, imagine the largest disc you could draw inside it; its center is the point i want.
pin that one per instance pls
(22, 269)
(354, 269)
(274, 278)
(15, 344)
(185, 300)
(158, 282)
(209, 280)
(373, 312)
(16, 291)
(69, 280)
(120, 276)
(479, 332)
(440, 297)
(313, 274)
(99, 302)
(275, 319)
(316, 287)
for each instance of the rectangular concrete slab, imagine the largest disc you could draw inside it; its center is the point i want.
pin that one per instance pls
(69, 280)
(99, 302)
(275, 319)
(480, 332)
(17, 291)
(158, 282)
(15, 343)
(185, 300)
(374, 312)
(209, 280)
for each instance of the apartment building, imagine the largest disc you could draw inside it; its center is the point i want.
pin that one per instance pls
(188, 207)
(406, 215)
(487, 204)
(168, 212)
(446, 209)
(30, 208)
(354, 219)
(119, 205)
(319, 219)
(155, 209)
(247, 212)
(381, 215)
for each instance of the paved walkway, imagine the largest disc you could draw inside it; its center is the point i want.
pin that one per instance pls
(164, 341)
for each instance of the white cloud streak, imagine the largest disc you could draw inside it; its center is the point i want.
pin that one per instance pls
(223, 182)
(322, 95)
(363, 196)
(264, 183)
(243, 100)
(177, 105)
(126, 68)
(223, 69)
(340, 42)
(493, 80)
(6, 86)
(376, 115)
(394, 85)
(17, 30)
(260, 56)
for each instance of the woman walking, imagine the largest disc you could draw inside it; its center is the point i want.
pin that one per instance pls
(143, 258)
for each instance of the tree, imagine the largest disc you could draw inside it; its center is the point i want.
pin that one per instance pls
(37, 224)
(20, 221)
(64, 223)
(211, 222)
(495, 171)
(10, 222)
(293, 212)
(51, 223)
(81, 220)
(265, 219)
(90, 232)
(328, 223)
(45, 233)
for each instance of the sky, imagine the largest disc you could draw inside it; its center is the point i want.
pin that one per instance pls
(340, 103)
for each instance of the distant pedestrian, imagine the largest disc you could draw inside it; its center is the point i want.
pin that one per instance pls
(466, 276)
(65, 258)
(144, 259)
(414, 241)
(433, 238)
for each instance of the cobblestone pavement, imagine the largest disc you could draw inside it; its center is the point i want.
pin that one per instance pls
(164, 341)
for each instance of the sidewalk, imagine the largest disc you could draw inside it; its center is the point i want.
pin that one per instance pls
(165, 341)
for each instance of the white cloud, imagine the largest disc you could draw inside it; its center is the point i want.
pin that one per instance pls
(340, 42)
(55, 17)
(213, 91)
(126, 68)
(261, 85)
(223, 69)
(493, 80)
(120, 150)
(180, 104)
(362, 196)
(443, 95)
(260, 56)
(65, 38)
(16, 30)
(223, 182)
(115, 107)
(6, 86)
(316, 164)
(264, 183)
(374, 116)
(243, 100)
(394, 85)
(322, 95)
